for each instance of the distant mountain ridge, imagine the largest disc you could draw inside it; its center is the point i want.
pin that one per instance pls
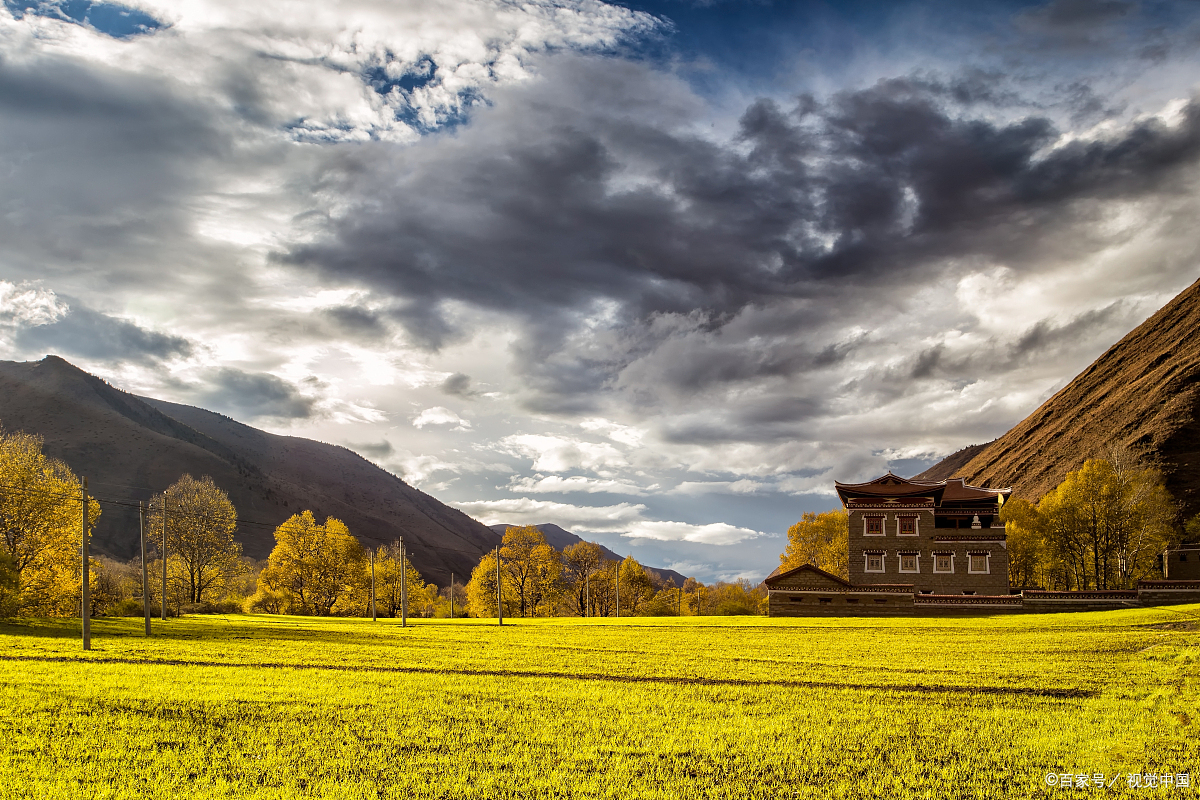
(559, 539)
(1143, 393)
(131, 447)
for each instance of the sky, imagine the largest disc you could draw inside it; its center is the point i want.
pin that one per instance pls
(656, 272)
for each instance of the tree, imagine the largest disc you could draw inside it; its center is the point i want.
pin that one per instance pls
(696, 593)
(41, 516)
(738, 598)
(203, 558)
(9, 583)
(1026, 550)
(481, 589)
(1192, 529)
(636, 586)
(533, 567)
(312, 566)
(581, 560)
(388, 596)
(822, 540)
(1105, 524)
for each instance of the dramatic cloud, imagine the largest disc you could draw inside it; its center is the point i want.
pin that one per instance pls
(533, 254)
(255, 395)
(625, 519)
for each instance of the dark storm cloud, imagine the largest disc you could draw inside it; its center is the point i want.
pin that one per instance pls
(380, 449)
(97, 161)
(458, 385)
(90, 334)
(356, 321)
(543, 208)
(252, 394)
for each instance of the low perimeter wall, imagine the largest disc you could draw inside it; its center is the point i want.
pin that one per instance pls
(890, 601)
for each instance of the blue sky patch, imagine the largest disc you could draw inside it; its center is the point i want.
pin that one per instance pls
(118, 21)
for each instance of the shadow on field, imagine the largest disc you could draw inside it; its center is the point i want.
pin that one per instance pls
(656, 679)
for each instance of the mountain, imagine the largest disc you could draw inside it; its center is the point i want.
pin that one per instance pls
(130, 447)
(1143, 393)
(560, 539)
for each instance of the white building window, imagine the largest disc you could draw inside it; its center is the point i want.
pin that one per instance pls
(907, 526)
(873, 526)
(910, 562)
(873, 563)
(943, 562)
(978, 564)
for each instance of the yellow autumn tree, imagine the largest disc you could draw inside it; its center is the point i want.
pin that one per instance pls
(1105, 524)
(41, 518)
(387, 583)
(311, 568)
(1028, 567)
(580, 561)
(636, 586)
(533, 567)
(481, 589)
(203, 560)
(822, 540)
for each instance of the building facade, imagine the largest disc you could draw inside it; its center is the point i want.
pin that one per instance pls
(1182, 563)
(943, 537)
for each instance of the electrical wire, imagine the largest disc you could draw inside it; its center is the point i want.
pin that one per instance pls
(129, 503)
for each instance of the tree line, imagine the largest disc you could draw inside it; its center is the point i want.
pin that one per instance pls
(536, 580)
(315, 568)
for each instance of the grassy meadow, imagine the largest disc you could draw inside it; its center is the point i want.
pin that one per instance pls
(266, 706)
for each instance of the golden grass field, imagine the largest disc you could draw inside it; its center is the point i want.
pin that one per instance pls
(698, 707)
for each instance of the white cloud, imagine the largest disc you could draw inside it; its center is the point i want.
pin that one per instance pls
(627, 519)
(713, 533)
(525, 511)
(29, 304)
(562, 453)
(554, 484)
(439, 415)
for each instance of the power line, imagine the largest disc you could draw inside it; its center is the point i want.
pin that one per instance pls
(128, 503)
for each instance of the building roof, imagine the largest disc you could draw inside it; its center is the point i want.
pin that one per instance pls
(777, 576)
(889, 486)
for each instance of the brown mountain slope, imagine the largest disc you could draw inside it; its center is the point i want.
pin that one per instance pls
(129, 447)
(1144, 393)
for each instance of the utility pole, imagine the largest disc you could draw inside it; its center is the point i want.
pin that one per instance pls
(403, 587)
(373, 619)
(86, 608)
(587, 593)
(618, 590)
(499, 591)
(164, 560)
(451, 595)
(145, 575)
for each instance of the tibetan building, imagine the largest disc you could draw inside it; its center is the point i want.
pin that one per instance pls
(929, 542)
(943, 537)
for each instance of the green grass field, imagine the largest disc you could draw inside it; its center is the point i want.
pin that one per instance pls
(259, 706)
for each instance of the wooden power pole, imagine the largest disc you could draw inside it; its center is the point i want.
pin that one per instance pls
(85, 609)
(164, 560)
(451, 595)
(499, 590)
(373, 619)
(145, 574)
(618, 590)
(403, 586)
